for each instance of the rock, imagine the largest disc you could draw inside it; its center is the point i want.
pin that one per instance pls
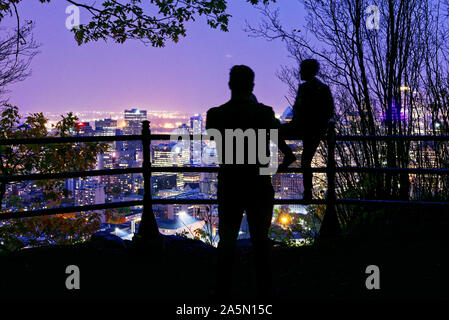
(182, 244)
(104, 239)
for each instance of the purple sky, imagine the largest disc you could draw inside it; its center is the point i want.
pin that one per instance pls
(190, 76)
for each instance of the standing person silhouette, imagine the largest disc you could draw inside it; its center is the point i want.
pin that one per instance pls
(313, 108)
(241, 187)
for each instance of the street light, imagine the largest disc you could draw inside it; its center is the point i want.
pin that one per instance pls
(284, 220)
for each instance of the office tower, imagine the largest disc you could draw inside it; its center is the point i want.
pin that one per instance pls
(119, 145)
(87, 191)
(167, 181)
(109, 158)
(209, 155)
(276, 182)
(105, 127)
(287, 115)
(208, 184)
(291, 187)
(162, 154)
(181, 151)
(133, 119)
(133, 126)
(84, 129)
(196, 128)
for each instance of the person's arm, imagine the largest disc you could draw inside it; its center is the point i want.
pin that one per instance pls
(289, 157)
(297, 105)
(330, 104)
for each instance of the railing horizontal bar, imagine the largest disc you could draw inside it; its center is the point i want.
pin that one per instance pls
(60, 210)
(72, 209)
(317, 170)
(214, 201)
(392, 203)
(215, 169)
(105, 172)
(392, 137)
(52, 211)
(68, 175)
(165, 137)
(393, 170)
(184, 201)
(338, 137)
(73, 139)
(183, 169)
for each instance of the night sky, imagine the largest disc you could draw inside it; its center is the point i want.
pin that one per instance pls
(190, 76)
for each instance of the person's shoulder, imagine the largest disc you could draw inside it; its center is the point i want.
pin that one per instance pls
(303, 85)
(216, 115)
(321, 84)
(267, 112)
(265, 108)
(213, 110)
(216, 110)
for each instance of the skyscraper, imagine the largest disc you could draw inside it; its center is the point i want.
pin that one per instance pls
(287, 116)
(196, 128)
(133, 126)
(105, 127)
(85, 129)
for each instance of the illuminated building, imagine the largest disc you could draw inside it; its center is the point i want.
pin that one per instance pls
(287, 116)
(84, 129)
(86, 191)
(133, 126)
(196, 128)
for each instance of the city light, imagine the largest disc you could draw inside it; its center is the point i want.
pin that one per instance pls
(284, 219)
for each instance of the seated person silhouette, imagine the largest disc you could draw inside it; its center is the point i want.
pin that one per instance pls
(241, 187)
(313, 108)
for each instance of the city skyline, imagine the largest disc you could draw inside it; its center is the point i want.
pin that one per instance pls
(190, 76)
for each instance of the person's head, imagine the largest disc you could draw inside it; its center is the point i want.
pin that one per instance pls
(309, 69)
(241, 79)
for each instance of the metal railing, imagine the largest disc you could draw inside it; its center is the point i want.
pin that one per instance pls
(148, 225)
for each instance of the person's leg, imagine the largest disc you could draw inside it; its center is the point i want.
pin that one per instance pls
(309, 148)
(259, 214)
(230, 214)
(287, 131)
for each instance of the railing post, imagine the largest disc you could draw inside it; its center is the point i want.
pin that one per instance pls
(330, 226)
(148, 229)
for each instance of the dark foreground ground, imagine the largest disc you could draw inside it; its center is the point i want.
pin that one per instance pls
(411, 267)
